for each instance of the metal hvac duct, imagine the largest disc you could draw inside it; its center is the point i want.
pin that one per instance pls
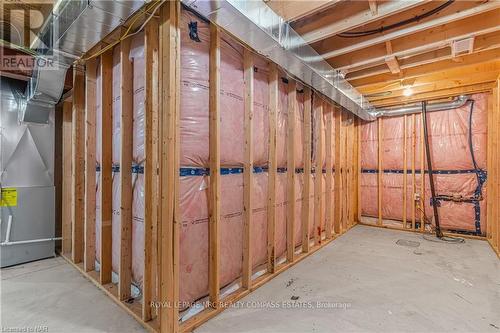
(417, 107)
(258, 26)
(74, 27)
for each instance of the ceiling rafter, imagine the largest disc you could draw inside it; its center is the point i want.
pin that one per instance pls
(355, 46)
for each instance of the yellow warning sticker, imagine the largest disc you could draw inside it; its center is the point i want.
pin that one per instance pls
(8, 197)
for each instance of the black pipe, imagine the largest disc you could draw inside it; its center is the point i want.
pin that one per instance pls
(439, 233)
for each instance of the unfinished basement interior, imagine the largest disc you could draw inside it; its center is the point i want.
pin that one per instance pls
(250, 166)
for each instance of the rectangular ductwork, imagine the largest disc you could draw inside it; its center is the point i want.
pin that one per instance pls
(258, 26)
(74, 27)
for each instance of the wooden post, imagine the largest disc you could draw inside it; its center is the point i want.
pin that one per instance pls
(248, 170)
(67, 181)
(106, 181)
(306, 204)
(405, 168)
(78, 165)
(273, 163)
(338, 175)
(90, 164)
(343, 169)
(169, 166)
(350, 171)
(214, 152)
(413, 158)
(380, 171)
(290, 217)
(126, 134)
(422, 174)
(318, 180)
(329, 172)
(150, 166)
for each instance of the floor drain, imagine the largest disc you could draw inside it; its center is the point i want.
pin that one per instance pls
(409, 243)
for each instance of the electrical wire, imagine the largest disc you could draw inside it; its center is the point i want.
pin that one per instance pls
(353, 34)
(154, 5)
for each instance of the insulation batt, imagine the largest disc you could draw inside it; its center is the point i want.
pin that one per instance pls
(136, 55)
(449, 142)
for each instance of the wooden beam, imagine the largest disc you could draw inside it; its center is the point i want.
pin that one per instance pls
(296, 10)
(106, 181)
(393, 64)
(380, 170)
(486, 32)
(90, 164)
(454, 77)
(475, 63)
(214, 152)
(78, 164)
(457, 15)
(126, 134)
(329, 171)
(67, 181)
(338, 20)
(318, 179)
(430, 94)
(306, 204)
(290, 216)
(373, 7)
(273, 164)
(248, 169)
(169, 49)
(150, 166)
(337, 183)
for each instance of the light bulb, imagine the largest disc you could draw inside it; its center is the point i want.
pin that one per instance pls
(408, 92)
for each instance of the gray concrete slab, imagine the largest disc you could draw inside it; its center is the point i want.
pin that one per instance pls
(53, 296)
(369, 283)
(376, 285)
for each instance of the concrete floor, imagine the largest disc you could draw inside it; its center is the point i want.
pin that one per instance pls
(369, 282)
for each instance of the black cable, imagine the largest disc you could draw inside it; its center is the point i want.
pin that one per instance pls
(352, 34)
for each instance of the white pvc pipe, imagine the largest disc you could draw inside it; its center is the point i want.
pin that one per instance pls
(9, 225)
(7, 243)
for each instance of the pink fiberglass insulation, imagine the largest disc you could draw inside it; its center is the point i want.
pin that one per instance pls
(194, 99)
(137, 57)
(449, 142)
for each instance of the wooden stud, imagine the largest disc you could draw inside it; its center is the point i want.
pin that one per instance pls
(329, 172)
(78, 164)
(318, 179)
(273, 163)
(248, 169)
(343, 169)
(214, 152)
(67, 188)
(106, 181)
(126, 130)
(359, 170)
(306, 202)
(422, 174)
(90, 164)
(169, 49)
(413, 177)
(290, 217)
(337, 183)
(150, 166)
(405, 168)
(380, 170)
(350, 170)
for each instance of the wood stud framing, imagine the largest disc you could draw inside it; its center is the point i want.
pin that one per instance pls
(290, 216)
(214, 153)
(248, 169)
(161, 173)
(273, 163)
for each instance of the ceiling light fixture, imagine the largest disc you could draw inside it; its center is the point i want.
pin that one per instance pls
(408, 92)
